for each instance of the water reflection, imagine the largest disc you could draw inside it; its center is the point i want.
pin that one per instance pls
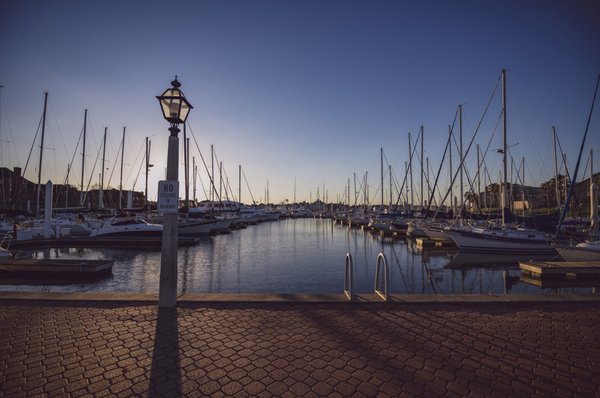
(302, 256)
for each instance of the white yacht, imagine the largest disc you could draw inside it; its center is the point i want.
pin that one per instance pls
(127, 226)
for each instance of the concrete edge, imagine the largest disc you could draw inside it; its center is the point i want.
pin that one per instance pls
(301, 298)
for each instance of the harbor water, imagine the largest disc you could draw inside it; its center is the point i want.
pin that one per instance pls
(300, 256)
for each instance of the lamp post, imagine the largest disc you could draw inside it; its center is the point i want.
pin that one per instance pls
(175, 108)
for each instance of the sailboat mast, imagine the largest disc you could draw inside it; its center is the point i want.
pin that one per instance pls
(556, 187)
(460, 149)
(381, 156)
(451, 175)
(147, 169)
(81, 196)
(101, 198)
(37, 208)
(240, 185)
(212, 177)
(523, 185)
(478, 177)
(121, 177)
(186, 166)
(504, 150)
(391, 197)
(410, 170)
(422, 133)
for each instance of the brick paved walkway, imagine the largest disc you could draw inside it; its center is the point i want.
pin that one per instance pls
(299, 349)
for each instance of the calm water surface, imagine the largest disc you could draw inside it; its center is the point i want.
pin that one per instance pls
(300, 256)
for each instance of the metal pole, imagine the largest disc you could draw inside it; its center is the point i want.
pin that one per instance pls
(523, 186)
(478, 176)
(186, 165)
(451, 175)
(462, 162)
(37, 208)
(101, 196)
(410, 170)
(422, 134)
(381, 158)
(121, 177)
(556, 187)
(391, 198)
(83, 158)
(168, 261)
(147, 169)
(504, 150)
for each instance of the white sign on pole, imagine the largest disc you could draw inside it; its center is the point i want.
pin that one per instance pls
(168, 196)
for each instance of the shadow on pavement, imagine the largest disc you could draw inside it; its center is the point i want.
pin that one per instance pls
(165, 374)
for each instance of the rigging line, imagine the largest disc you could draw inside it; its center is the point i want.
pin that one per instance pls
(137, 157)
(69, 166)
(212, 183)
(62, 138)
(562, 156)
(87, 188)
(525, 193)
(572, 186)
(248, 185)
(222, 170)
(407, 170)
(473, 138)
(141, 164)
(469, 181)
(114, 163)
(227, 185)
(204, 190)
(448, 143)
(10, 133)
(32, 146)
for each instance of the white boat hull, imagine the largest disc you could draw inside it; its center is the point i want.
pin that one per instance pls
(489, 243)
(572, 253)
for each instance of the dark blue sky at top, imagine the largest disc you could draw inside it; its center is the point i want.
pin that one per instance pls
(300, 89)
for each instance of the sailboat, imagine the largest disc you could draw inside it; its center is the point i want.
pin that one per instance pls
(590, 250)
(502, 239)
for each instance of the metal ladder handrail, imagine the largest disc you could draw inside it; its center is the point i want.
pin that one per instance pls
(385, 294)
(348, 277)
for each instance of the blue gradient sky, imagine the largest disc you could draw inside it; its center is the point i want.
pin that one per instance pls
(296, 90)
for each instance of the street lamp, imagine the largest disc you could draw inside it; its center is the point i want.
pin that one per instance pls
(175, 108)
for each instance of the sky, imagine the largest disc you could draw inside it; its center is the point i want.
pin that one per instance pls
(301, 94)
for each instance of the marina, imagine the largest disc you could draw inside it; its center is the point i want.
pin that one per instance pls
(302, 256)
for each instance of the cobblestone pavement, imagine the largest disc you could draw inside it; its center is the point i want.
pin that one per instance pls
(299, 349)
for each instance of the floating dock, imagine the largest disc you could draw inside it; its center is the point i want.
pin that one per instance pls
(430, 243)
(116, 242)
(44, 270)
(560, 273)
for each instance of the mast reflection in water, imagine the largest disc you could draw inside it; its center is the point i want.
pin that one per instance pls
(300, 256)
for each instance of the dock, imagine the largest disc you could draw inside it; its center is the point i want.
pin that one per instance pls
(430, 243)
(116, 242)
(560, 273)
(43, 270)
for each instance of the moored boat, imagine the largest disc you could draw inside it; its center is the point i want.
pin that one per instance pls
(586, 251)
(127, 226)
